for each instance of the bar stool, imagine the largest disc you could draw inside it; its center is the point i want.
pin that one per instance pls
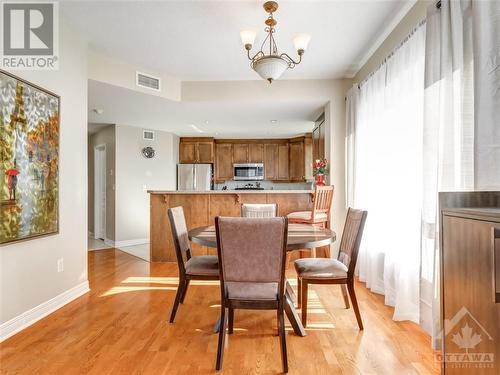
(320, 214)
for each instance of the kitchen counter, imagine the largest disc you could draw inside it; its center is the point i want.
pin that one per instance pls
(243, 191)
(201, 208)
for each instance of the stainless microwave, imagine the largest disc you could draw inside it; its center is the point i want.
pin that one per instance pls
(248, 171)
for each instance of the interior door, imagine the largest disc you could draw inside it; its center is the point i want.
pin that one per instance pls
(100, 192)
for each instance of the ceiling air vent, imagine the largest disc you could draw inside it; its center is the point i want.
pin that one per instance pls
(148, 135)
(147, 81)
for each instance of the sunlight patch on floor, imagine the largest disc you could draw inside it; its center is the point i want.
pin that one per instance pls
(125, 289)
(166, 280)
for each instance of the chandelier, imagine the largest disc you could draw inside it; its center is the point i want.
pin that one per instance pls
(272, 66)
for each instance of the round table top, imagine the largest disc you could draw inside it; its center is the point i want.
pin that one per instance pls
(300, 236)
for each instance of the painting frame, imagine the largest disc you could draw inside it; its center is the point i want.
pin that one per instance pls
(57, 97)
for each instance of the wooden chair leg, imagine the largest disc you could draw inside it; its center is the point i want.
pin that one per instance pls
(345, 295)
(313, 252)
(303, 291)
(185, 291)
(299, 292)
(222, 338)
(282, 334)
(287, 260)
(230, 321)
(352, 294)
(178, 296)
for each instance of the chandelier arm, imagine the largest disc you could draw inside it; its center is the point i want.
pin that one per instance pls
(290, 60)
(257, 55)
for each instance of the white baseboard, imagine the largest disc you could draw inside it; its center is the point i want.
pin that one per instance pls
(137, 241)
(109, 242)
(27, 318)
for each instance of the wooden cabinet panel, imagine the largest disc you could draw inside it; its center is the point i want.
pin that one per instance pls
(196, 150)
(240, 153)
(187, 152)
(196, 212)
(256, 153)
(297, 162)
(283, 165)
(205, 151)
(271, 161)
(308, 158)
(288, 203)
(467, 282)
(223, 162)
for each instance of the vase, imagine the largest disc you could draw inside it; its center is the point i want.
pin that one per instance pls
(320, 179)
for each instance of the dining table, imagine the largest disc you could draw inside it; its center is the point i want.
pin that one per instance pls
(300, 236)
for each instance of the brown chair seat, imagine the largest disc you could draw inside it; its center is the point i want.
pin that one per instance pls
(252, 291)
(320, 268)
(204, 265)
(305, 216)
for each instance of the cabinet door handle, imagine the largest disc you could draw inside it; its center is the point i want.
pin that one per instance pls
(495, 234)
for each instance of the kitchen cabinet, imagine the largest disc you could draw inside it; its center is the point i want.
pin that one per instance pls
(271, 161)
(196, 150)
(470, 264)
(301, 158)
(256, 153)
(283, 162)
(240, 153)
(297, 171)
(223, 162)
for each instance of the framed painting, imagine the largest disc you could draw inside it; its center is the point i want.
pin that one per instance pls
(29, 160)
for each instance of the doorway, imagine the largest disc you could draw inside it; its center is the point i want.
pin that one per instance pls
(100, 192)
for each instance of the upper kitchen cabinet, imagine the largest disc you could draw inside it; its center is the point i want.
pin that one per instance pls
(248, 152)
(256, 153)
(223, 162)
(240, 153)
(196, 150)
(301, 156)
(276, 161)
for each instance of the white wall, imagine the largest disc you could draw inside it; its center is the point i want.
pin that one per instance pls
(136, 174)
(28, 270)
(335, 152)
(119, 73)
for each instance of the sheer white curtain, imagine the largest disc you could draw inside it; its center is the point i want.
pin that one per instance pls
(386, 158)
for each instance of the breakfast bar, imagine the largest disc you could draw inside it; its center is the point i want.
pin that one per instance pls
(201, 208)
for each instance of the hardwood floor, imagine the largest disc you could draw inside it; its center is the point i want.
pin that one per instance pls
(121, 327)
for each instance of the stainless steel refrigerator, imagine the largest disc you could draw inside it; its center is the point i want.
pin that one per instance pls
(194, 177)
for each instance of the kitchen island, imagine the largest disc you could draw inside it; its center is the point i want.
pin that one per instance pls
(201, 208)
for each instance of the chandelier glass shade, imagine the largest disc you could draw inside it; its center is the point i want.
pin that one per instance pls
(271, 66)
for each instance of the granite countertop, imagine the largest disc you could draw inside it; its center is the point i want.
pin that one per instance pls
(232, 192)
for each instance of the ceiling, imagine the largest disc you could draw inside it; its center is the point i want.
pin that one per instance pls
(199, 40)
(226, 119)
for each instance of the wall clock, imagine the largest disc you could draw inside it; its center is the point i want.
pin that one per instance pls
(148, 152)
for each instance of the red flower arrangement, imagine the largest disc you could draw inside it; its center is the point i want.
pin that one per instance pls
(320, 167)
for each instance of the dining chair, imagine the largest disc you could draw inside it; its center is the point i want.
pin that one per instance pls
(320, 214)
(334, 271)
(202, 267)
(259, 210)
(252, 272)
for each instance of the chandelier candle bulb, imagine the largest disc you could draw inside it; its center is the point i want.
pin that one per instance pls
(301, 41)
(248, 38)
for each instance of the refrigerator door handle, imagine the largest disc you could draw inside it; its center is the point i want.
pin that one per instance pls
(495, 234)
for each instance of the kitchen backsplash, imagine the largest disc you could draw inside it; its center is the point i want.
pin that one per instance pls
(267, 185)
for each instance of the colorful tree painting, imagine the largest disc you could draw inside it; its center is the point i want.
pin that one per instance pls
(29, 160)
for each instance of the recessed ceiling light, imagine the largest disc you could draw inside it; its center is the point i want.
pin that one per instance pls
(274, 121)
(206, 122)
